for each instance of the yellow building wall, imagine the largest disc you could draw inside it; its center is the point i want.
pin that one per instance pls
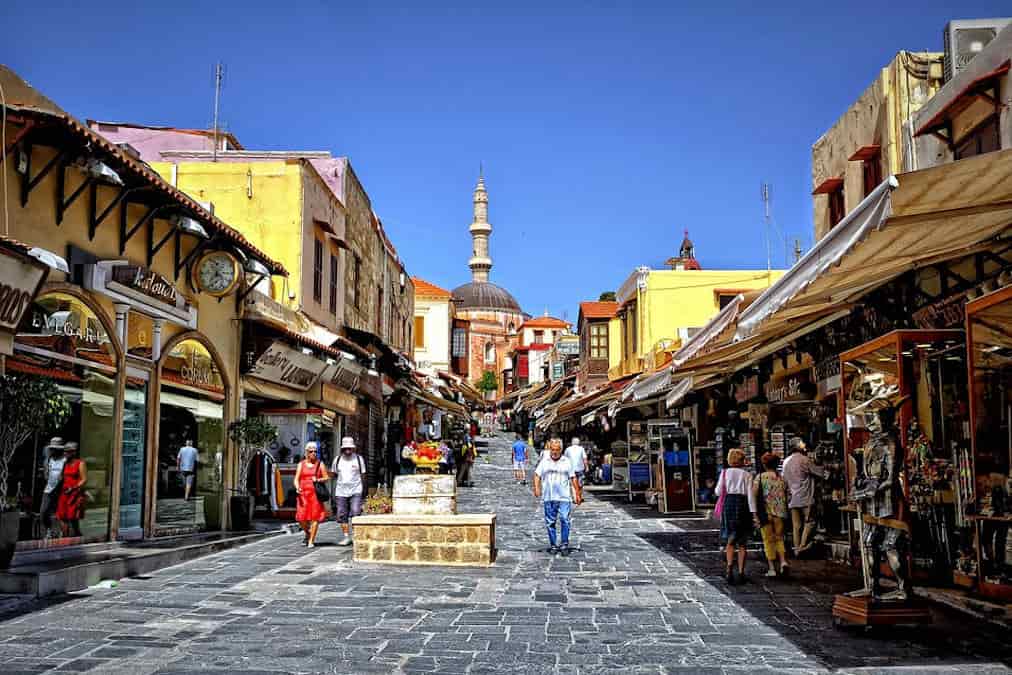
(614, 344)
(673, 302)
(263, 200)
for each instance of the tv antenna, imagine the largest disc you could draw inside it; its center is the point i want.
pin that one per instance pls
(219, 76)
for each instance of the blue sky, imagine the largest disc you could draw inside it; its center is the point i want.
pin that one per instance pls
(605, 128)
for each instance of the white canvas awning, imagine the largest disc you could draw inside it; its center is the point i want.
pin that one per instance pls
(712, 329)
(646, 386)
(910, 221)
(678, 392)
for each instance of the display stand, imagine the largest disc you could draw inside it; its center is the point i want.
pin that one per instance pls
(620, 466)
(671, 461)
(866, 611)
(639, 463)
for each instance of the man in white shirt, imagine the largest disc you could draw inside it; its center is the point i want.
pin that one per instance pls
(53, 471)
(186, 463)
(556, 485)
(349, 486)
(799, 472)
(577, 456)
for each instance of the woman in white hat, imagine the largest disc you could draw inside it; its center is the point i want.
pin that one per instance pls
(349, 487)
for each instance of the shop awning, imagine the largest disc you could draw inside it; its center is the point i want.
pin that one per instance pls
(439, 402)
(980, 75)
(678, 392)
(909, 221)
(647, 385)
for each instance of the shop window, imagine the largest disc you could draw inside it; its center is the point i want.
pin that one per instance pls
(459, 343)
(985, 138)
(191, 415)
(333, 283)
(837, 207)
(317, 270)
(135, 417)
(599, 341)
(61, 338)
(419, 332)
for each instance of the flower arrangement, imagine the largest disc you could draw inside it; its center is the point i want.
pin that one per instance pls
(378, 503)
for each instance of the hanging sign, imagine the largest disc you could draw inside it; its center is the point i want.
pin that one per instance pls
(788, 388)
(290, 367)
(141, 288)
(20, 279)
(747, 390)
(146, 281)
(947, 313)
(827, 376)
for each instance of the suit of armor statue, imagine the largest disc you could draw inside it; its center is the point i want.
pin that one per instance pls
(876, 490)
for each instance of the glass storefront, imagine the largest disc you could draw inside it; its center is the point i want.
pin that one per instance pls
(62, 339)
(135, 418)
(191, 415)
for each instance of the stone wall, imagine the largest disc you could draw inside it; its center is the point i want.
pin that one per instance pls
(426, 540)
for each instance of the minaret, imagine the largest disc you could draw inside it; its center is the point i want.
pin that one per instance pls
(481, 261)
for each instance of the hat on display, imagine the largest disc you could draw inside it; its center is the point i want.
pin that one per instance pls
(347, 442)
(55, 442)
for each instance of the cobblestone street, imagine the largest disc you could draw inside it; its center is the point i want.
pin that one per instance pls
(641, 594)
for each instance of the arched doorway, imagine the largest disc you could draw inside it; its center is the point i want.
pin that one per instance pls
(67, 339)
(191, 416)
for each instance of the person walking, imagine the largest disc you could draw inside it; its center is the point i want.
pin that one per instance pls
(799, 473)
(349, 486)
(770, 501)
(556, 485)
(70, 506)
(520, 460)
(735, 485)
(53, 471)
(468, 454)
(186, 464)
(578, 458)
(309, 512)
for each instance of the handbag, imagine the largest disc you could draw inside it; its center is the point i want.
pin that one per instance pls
(322, 491)
(719, 508)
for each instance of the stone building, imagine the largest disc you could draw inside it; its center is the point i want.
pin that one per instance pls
(494, 314)
(872, 140)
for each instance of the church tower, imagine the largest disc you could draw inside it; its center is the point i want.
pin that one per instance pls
(481, 260)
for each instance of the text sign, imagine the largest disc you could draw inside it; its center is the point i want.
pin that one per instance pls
(19, 281)
(146, 281)
(282, 364)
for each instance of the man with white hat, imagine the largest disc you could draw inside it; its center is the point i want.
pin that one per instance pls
(52, 469)
(349, 486)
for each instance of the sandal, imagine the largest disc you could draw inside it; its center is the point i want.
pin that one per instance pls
(729, 574)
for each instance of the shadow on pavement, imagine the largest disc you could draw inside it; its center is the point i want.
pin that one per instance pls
(798, 608)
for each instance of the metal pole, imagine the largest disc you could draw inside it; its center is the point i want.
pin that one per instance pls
(217, 97)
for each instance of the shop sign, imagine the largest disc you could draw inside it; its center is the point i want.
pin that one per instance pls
(140, 287)
(827, 375)
(568, 347)
(20, 280)
(557, 370)
(342, 401)
(290, 367)
(747, 390)
(789, 388)
(947, 313)
(345, 374)
(260, 307)
(146, 281)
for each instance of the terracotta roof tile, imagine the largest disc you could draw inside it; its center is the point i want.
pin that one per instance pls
(545, 322)
(428, 290)
(598, 310)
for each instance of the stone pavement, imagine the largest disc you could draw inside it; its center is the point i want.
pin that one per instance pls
(642, 595)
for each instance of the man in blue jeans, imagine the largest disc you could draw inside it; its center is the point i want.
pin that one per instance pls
(555, 483)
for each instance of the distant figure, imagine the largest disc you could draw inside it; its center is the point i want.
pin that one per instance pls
(578, 458)
(706, 494)
(53, 472)
(520, 460)
(186, 463)
(799, 471)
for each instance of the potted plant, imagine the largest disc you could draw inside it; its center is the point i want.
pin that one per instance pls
(28, 406)
(250, 435)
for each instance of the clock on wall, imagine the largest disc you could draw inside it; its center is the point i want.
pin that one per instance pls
(216, 273)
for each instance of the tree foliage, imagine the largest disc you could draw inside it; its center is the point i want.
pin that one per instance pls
(28, 406)
(607, 296)
(250, 434)
(488, 382)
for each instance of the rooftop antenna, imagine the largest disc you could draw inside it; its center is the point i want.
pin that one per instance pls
(766, 217)
(797, 249)
(219, 75)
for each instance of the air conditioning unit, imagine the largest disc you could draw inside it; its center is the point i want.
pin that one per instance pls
(966, 38)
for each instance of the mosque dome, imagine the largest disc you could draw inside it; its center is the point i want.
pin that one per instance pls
(485, 295)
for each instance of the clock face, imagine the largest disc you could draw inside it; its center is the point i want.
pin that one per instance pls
(216, 273)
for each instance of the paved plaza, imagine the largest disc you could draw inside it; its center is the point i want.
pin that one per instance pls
(641, 594)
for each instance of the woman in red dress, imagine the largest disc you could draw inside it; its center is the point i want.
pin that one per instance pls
(70, 505)
(309, 511)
